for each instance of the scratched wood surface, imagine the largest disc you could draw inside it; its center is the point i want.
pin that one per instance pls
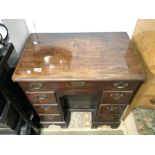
(78, 56)
(144, 39)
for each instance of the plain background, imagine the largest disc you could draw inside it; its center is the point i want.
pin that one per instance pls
(78, 16)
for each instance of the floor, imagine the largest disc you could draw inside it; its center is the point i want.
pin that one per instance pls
(81, 122)
(145, 120)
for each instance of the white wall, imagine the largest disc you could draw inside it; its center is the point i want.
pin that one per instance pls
(76, 16)
(18, 34)
(81, 24)
(88, 15)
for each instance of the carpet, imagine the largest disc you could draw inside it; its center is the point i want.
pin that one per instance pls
(145, 121)
(80, 124)
(71, 132)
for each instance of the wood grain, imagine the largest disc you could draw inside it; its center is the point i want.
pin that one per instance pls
(79, 63)
(143, 41)
(107, 118)
(117, 97)
(51, 118)
(111, 109)
(78, 56)
(42, 97)
(105, 85)
(47, 109)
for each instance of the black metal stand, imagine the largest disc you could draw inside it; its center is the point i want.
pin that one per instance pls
(16, 113)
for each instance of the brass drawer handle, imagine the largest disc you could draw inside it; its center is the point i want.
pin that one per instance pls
(111, 108)
(78, 83)
(41, 96)
(45, 108)
(120, 85)
(36, 86)
(152, 101)
(116, 96)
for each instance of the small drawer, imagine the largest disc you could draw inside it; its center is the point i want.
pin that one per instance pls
(116, 97)
(42, 97)
(121, 85)
(36, 86)
(51, 118)
(47, 109)
(111, 109)
(107, 118)
(48, 86)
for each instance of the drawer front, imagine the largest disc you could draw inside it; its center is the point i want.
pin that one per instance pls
(111, 109)
(107, 118)
(51, 118)
(83, 85)
(42, 97)
(48, 86)
(116, 97)
(36, 86)
(121, 85)
(47, 109)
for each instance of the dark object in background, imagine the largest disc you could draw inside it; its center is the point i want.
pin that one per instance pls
(4, 36)
(16, 114)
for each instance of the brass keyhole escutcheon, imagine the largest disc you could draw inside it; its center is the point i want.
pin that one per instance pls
(78, 84)
(36, 86)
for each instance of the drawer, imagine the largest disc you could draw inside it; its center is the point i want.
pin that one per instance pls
(36, 86)
(51, 118)
(42, 97)
(107, 118)
(48, 86)
(121, 85)
(83, 85)
(116, 97)
(111, 109)
(47, 109)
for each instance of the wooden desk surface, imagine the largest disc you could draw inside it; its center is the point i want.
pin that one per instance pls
(78, 56)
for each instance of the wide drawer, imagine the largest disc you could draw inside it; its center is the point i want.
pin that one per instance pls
(57, 86)
(107, 118)
(83, 85)
(117, 97)
(51, 118)
(111, 109)
(47, 109)
(42, 97)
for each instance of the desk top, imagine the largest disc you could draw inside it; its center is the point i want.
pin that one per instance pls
(78, 56)
(144, 39)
